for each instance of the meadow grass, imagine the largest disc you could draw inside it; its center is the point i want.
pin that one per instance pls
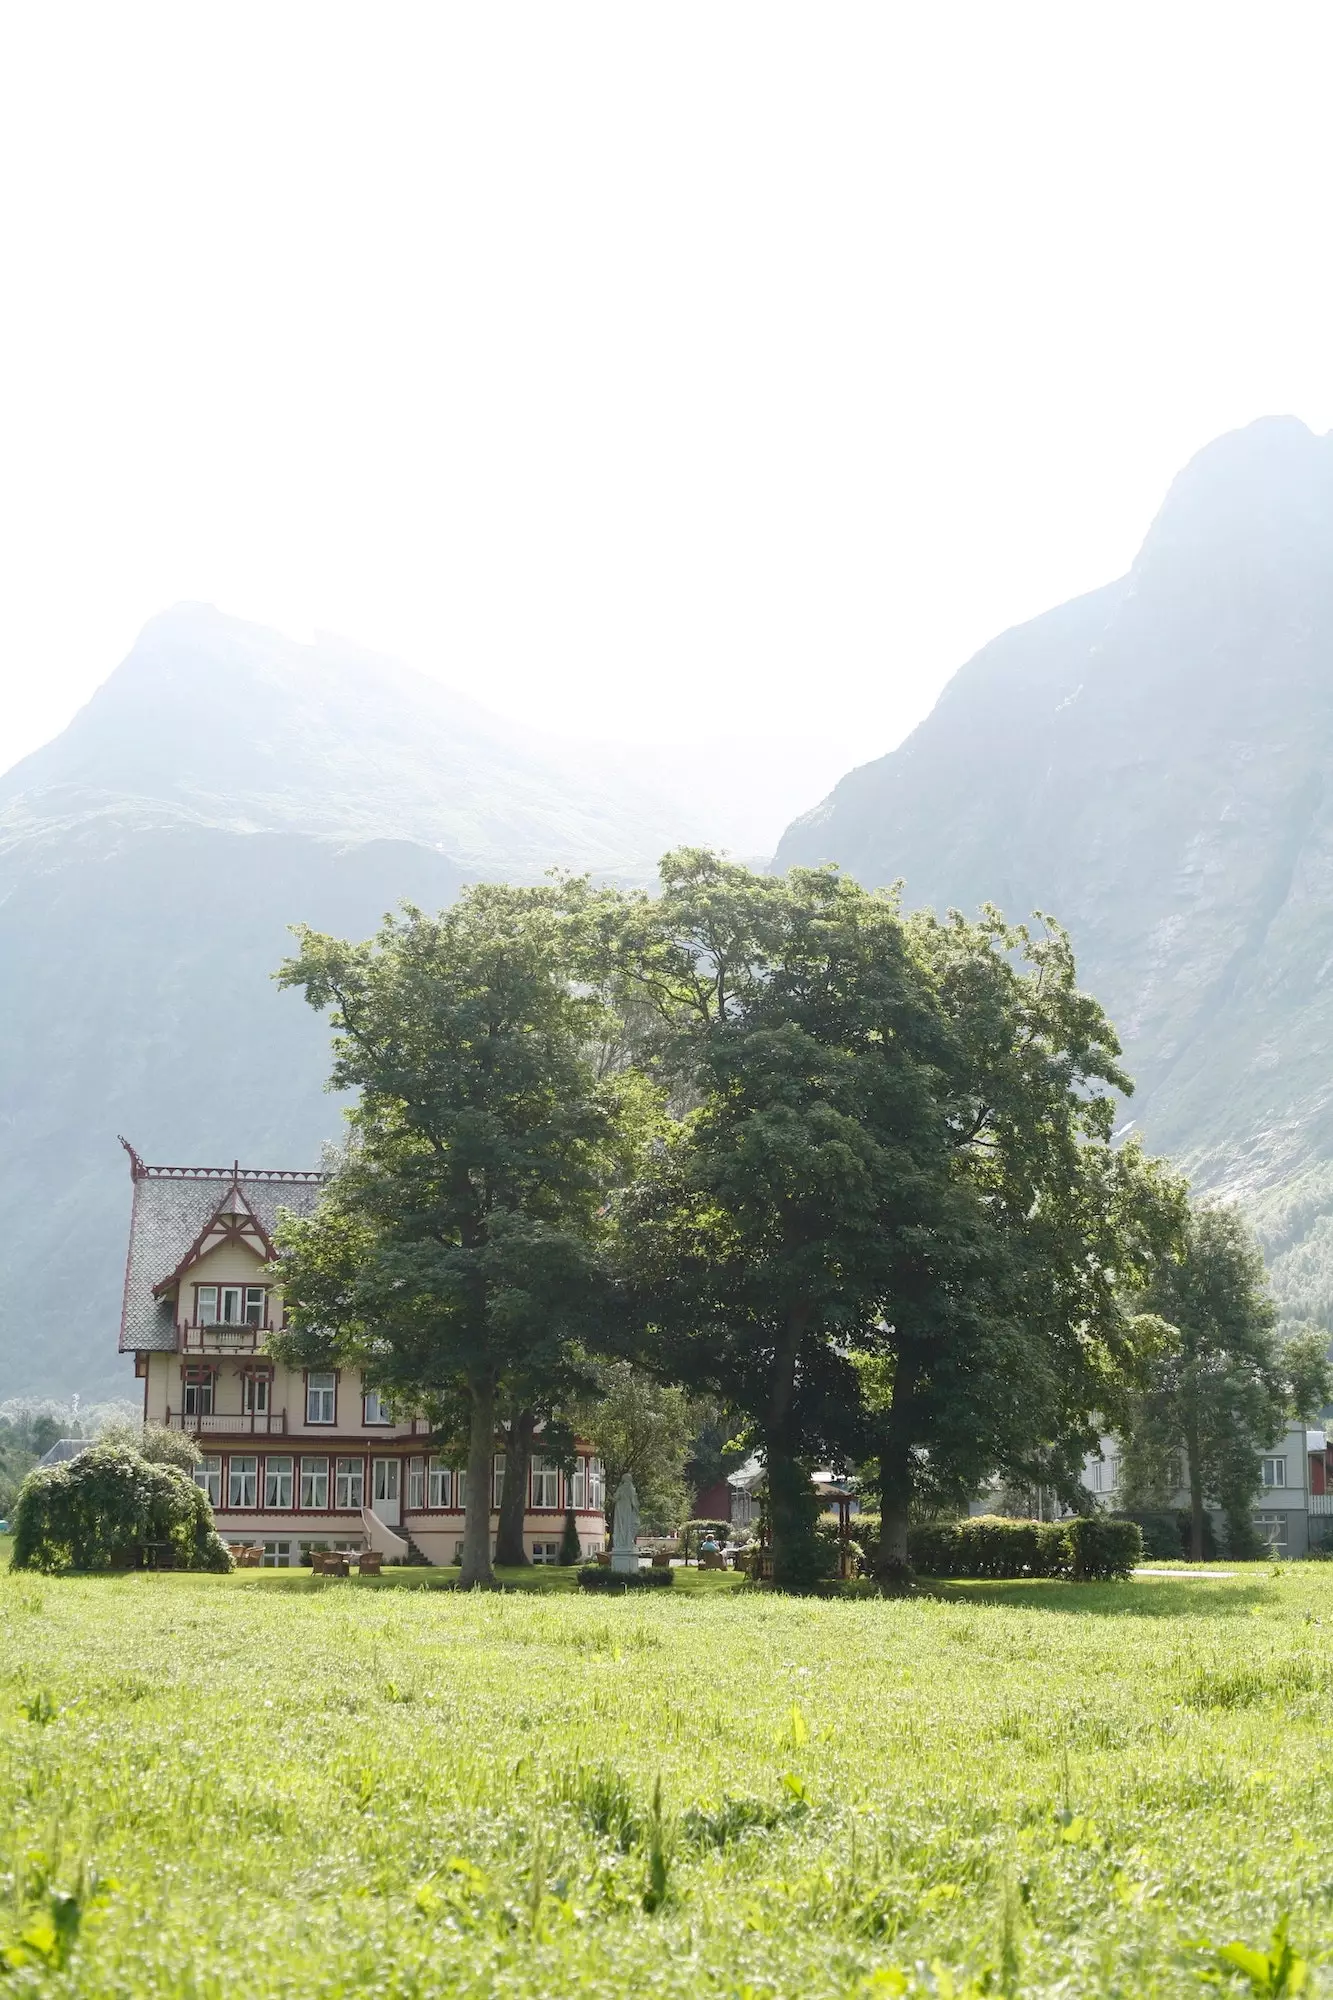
(272, 1784)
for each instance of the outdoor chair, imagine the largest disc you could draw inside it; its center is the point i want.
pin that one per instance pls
(371, 1562)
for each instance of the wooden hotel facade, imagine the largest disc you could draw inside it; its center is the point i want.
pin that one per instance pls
(293, 1458)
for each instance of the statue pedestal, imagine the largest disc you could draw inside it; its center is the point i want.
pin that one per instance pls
(625, 1562)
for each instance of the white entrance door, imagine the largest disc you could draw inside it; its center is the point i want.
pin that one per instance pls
(385, 1488)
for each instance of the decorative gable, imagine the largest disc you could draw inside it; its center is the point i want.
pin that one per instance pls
(232, 1221)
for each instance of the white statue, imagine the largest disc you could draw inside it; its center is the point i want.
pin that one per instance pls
(625, 1528)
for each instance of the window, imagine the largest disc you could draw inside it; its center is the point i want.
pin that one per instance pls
(205, 1305)
(254, 1305)
(198, 1392)
(458, 1552)
(277, 1555)
(385, 1478)
(320, 1397)
(255, 1395)
(314, 1482)
(349, 1484)
(578, 1483)
(460, 1490)
(497, 1478)
(596, 1485)
(441, 1484)
(416, 1482)
(1273, 1471)
(546, 1552)
(545, 1482)
(208, 1476)
(377, 1407)
(242, 1480)
(1272, 1529)
(277, 1482)
(229, 1305)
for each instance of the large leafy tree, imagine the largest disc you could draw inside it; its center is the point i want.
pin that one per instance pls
(457, 1255)
(889, 1219)
(1222, 1384)
(1011, 1329)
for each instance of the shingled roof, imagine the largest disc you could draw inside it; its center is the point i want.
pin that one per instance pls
(173, 1207)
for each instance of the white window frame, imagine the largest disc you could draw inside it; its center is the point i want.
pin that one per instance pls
(208, 1477)
(256, 1394)
(349, 1483)
(596, 1486)
(314, 1482)
(497, 1480)
(439, 1484)
(278, 1484)
(277, 1555)
(578, 1484)
(205, 1315)
(546, 1552)
(1272, 1528)
(416, 1484)
(385, 1479)
(242, 1480)
(197, 1393)
(1273, 1472)
(545, 1484)
(376, 1408)
(321, 1393)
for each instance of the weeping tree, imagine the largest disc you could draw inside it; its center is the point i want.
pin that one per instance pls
(457, 1256)
(94, 1512)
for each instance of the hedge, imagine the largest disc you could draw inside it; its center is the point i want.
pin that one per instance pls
(594, 1577)
(1086, 1548)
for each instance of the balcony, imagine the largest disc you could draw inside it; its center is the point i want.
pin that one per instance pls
(223, 1337)
(238, 1423)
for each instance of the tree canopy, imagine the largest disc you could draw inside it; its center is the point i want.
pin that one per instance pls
(889, 1221)
(1222, 1385)
(459, 1252)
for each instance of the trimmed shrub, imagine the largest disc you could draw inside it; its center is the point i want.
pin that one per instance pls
(97, 1511)
(593, 1577)
(1085, 1548)
(1100, 1547)
(571, 1549)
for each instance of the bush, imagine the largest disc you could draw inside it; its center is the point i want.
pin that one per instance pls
(1100, 1547)
(1085, 1548)
(571, 1549)
(594, 1577)
(97, 1511)
(153, 1442)
(1162, 1539)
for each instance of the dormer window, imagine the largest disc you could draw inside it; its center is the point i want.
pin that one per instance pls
(229, 1305)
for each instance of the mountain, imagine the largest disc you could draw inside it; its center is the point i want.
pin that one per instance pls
(224, 783)
(1153, 765)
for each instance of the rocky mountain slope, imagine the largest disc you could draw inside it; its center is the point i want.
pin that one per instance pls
(1153, 764)
(224, 783)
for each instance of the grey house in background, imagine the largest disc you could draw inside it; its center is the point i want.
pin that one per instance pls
(1294, 1510)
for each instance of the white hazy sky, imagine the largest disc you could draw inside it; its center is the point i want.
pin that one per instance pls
(644, 371)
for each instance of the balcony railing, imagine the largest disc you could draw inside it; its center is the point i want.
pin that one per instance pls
(220, 1423)
(223, 1337)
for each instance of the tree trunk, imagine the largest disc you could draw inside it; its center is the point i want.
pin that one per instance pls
(896, 1474)
(791, 1525)
(476, 1571)
(1196, 1499)
(509, 1546)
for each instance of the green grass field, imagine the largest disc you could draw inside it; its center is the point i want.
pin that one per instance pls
(271, 1784)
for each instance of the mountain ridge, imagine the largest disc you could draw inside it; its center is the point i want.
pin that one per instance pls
(1152, 763)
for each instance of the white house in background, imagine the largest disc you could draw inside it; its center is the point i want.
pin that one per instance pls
(295, 1458)
(1296, 1490)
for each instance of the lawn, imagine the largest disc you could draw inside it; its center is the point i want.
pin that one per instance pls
(309, 1787)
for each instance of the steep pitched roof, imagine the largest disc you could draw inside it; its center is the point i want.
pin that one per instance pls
(175, 1214)
(232, 1221)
